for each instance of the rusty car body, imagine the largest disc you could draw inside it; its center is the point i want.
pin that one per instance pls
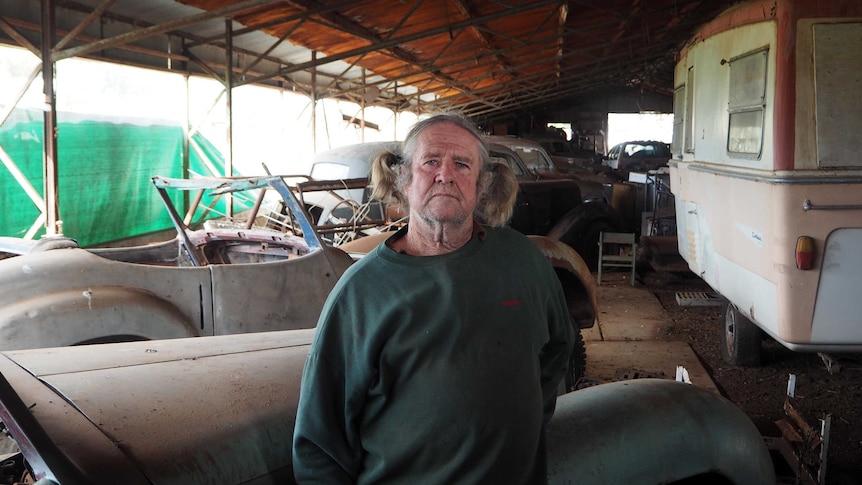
(222, 410)
(263, 269)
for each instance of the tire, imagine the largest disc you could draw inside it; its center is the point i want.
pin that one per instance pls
(740, 338)
(577, 364)
(587, 244)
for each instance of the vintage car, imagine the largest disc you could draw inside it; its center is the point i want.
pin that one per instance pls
(565, 154)
(560, 206)
(222, 410)
(637, 156)
(265, 268)
(541, 165)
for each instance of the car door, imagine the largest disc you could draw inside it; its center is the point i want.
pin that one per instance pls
(277, 295)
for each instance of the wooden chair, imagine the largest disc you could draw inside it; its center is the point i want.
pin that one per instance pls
(619, 243)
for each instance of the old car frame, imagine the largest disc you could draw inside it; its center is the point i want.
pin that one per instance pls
(260, 270)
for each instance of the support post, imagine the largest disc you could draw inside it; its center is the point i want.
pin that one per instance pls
(314, 103)
(53, 224)
(228, 80)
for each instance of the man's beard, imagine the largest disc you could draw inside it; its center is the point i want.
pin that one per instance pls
(456, 219)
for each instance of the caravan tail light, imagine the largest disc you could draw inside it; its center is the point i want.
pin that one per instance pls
(804, 252)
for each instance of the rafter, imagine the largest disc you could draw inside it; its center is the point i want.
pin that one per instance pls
(568, 47)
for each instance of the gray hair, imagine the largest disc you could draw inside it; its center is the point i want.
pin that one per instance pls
(497, 185)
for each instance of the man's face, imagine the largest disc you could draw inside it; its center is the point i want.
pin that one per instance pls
(445, 170)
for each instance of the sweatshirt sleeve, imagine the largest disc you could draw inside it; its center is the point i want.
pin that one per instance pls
(555, 355)
(326, 445)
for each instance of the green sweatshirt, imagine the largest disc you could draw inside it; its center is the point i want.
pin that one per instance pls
(435, 370)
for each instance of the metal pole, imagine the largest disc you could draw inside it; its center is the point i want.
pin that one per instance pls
(395, 115)
(53, 224)
(362, 110)
(314, 103)
(228, 79)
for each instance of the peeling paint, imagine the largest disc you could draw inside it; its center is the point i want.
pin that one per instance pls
(88, 294)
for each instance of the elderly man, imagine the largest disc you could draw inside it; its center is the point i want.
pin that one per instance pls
(437, 356)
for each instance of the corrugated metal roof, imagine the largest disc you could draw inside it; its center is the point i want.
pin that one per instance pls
(484, 57)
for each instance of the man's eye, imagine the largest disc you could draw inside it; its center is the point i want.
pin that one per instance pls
(431, 162)
(463, 165)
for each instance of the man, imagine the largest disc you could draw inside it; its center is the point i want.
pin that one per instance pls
(437, 356)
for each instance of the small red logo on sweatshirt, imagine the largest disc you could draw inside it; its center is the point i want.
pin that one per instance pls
(512, 303)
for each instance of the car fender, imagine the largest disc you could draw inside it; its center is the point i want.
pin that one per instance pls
(653, 431)
(338, 258)
(581, 217)
(18, 246)
(97, 314)
(575, 277)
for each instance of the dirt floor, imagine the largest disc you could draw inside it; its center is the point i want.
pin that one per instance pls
(760, 392)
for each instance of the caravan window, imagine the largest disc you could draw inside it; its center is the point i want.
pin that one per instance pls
(678, 100)
(747, 102)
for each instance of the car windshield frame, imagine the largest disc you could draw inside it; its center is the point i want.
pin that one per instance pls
(298, 219)
(535, 158)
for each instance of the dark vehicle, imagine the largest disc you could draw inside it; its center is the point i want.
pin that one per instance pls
(638, 156)
(551, 203)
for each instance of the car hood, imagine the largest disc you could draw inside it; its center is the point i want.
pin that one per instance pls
(162, 409)
(592, 187)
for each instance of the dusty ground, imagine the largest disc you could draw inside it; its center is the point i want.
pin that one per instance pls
(760, 392)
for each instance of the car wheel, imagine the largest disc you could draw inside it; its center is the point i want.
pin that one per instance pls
(588, 244)
(740, 338)
(577, 364)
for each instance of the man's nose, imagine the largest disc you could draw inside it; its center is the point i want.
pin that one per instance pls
(446, 172)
